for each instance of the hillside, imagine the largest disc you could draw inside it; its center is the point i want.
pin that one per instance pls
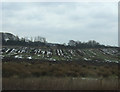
(8, 36)
(14, 47)
(54, 54)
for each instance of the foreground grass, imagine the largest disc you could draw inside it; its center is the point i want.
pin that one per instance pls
(78, 75)
(59, 83)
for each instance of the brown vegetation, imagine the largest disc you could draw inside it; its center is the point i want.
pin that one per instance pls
(69, 69)
(59, 76)
(59, 83)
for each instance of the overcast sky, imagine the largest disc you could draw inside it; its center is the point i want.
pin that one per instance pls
(61, 22)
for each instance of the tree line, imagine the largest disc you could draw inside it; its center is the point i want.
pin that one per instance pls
(41, 41)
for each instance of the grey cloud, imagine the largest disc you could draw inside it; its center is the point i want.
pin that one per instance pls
(60, 22)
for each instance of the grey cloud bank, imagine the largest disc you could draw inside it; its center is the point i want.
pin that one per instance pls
(61, 22)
